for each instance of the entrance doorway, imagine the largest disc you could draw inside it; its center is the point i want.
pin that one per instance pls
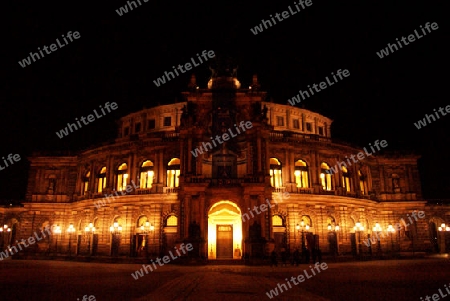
(224, 231)
(224, 242)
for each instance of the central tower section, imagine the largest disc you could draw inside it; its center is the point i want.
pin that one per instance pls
(223, 85)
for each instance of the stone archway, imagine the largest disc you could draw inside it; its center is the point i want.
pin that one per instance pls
(224, 231)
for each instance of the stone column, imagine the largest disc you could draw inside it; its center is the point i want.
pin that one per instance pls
(161, 172)
(110, 173)
(187, 215)
(288, 119)
(188, 154)
(183, 159)
(203, 224)
(287, 177)
(409, 173)
(92, 178)
(79, 184)
(249, 158)
(314, 171)
(382, 180)
(303, 122)
(134, 172)
(266, 231)
(131, 170)
(258, 149)
(316, 130)
(266, 164)
(337, 177)
(355, 179)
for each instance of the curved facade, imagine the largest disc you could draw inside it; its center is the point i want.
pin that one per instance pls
(232, 174)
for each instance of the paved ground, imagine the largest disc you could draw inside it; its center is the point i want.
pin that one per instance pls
(374, 280)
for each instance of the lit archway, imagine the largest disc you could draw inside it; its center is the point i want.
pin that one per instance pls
(224, 231)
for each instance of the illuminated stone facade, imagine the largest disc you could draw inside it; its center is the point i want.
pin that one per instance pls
(150, 190)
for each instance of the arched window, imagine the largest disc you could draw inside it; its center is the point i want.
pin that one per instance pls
(277, 221)
(326, 176)
(301, 174)
(172, 221)
(275, 173)
(331, 224)
(101, 179)
(146, 178)
(122, 177)
(85, 186)
(173, 172)
(346, 180)
(362, 183)
(305, 221)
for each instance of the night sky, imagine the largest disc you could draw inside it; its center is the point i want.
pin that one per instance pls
(117, 58)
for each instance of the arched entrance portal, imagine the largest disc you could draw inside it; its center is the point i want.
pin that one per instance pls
(224, 231)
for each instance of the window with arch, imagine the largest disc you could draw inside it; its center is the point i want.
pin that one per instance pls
(346, 180)
(331, 223)
(305, 220)
(172, 221)
(301, 174)
(85, 184)
(122, 177)
(173, 172)
(146, 177)
(326, 176)
(277, 221)
(101, 179)
(362, 183)
(275, 173)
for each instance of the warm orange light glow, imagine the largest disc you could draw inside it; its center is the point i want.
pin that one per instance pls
(224, 213)
(390, 229)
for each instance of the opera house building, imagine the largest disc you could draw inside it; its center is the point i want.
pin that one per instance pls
(232, 173)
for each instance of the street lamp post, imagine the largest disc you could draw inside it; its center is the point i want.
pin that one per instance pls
(301, 228)
(115, 230)
(359, 228)
(391, 231)
(145, 229)
(71, 230)
(89, 230)
(377, 230)
(4, 230)
(443, 228)
(57, 231)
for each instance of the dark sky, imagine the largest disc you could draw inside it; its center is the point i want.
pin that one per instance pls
(118, 57)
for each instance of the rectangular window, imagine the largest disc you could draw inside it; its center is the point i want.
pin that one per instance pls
(309, 126)
(126, 131)
(101, 184)
(325, 179)
(280, 121)
(151, 124)
(167, 121)
(296, 124)
(321, 130)
(137, 127)
(301, 178)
